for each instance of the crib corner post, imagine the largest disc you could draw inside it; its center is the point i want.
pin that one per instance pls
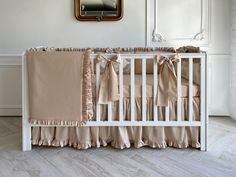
(204, 104)
(26, 128)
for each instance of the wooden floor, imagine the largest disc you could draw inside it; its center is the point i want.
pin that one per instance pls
(220, 160)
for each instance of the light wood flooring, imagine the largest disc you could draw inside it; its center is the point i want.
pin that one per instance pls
(219, 161)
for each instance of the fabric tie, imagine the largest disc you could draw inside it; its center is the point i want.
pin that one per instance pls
(109, 87)
(167, 82)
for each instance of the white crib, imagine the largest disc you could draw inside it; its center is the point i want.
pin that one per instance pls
(26, 126)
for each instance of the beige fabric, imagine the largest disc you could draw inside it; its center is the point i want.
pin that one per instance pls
(124, 137)
(167, 84)
(106, 50)
(196, 70)
(55, 89)
(126, 66)
(149, 86)
(138, 66)
(87, 97)
(188, 49)
(109, 88)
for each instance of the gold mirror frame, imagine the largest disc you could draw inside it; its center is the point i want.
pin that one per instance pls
(100, 17)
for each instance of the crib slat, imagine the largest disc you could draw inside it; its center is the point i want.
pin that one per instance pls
(179, 90)
(121, 88)
(132, 90)
(109, 111)
(167, 113)
(203, 103)
(190, 107)
(155, 86)
(97, 91)
(144, 101)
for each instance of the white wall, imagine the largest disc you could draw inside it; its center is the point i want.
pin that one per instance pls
(29, 23)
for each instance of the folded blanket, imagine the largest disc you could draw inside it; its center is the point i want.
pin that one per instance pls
(60, 91)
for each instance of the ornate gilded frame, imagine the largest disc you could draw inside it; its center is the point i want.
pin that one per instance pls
(100, 17)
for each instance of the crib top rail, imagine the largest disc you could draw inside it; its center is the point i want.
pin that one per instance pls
(150, 55)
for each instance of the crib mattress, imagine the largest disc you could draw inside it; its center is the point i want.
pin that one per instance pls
(149, 86)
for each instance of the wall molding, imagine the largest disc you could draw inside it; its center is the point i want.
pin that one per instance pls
(155, 38)
(13, 62)
(158, 37)
(10, 60)
(10, 106)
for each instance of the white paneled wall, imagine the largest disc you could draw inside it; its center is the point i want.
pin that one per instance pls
(29, 23)
(218, 82)
(219, 58)
(10, 86)
(216, 25)
(233, 63)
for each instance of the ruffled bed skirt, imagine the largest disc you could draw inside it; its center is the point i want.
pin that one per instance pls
(124, 137)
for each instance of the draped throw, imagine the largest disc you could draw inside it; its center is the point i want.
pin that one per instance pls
(167, 83)
(109, 87)
(60, 87)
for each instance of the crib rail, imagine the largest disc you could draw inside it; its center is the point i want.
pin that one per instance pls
(155, 121)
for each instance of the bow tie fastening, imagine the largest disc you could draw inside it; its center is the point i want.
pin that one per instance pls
(109, 85)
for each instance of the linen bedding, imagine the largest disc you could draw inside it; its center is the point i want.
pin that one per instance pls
(124, 137)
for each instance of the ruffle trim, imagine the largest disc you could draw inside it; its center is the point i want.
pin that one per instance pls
(87, 97)
(184, 49)
(116, 144)
(58, 122)
(103, 50)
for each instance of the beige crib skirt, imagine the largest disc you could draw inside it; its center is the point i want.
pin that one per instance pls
(124, 137)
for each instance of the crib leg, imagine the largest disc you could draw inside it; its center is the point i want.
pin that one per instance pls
(26, 128)
(202, 140)
(203, 137)
(26, 135)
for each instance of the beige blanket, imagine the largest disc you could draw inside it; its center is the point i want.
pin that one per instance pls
(59, 82)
